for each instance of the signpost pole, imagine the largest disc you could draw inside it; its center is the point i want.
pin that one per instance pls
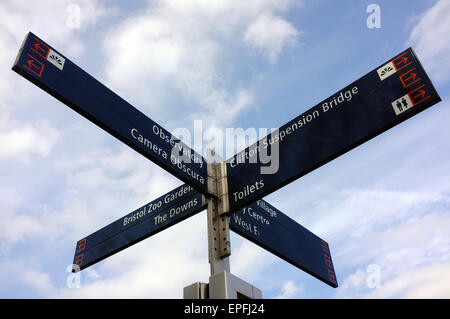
(222, 284)
(218, 226)
(218, 239)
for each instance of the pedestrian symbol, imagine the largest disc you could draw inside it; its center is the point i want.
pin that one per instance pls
(402, 104)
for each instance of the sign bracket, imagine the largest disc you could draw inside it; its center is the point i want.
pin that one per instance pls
(222, 190)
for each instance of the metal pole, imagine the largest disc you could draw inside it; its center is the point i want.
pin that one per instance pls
(222, 284)
(218, 226)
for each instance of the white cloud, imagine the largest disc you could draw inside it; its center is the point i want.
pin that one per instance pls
(290, 290)
(249, 260)
(270, 34)
(352, 283)
(21, 141)
(19, 227)
(429, 281)
(429, 38)
(48, 19)
(39, 281)
(179, 48)
(99, 187)
(118, 180)
(375, 210)
(404, 234)
(137, 272)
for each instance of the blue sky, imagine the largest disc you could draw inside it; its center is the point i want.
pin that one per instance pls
(384, 208)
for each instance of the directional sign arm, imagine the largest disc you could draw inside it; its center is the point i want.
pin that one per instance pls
(58, 76)
(269, 228)
(146, 221)
(366, 108)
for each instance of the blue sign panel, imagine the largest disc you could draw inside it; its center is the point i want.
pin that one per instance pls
(58, 76)
(140, 224)
(269, 228)
(383, 98)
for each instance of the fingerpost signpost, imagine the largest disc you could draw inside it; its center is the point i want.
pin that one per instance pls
(232, 191)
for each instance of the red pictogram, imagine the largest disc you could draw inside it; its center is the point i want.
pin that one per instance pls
(332, 276)
(324, 246)
(40, 48)
(79, 260)
(402, 61)
(81, 245)
(419, 95)
(409, 78)
(33, 65)
(328, 261)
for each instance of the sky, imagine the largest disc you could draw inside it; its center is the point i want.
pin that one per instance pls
(383, 208)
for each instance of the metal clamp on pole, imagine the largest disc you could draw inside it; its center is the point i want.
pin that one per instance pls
(222, 189)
